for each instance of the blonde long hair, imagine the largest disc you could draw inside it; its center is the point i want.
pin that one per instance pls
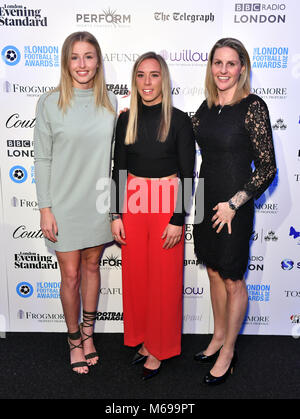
(243, 87)
(135, 100)
(65, 87)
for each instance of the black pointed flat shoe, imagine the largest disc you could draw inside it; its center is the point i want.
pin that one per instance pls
(206, 359)
(138, 358)
(147, 373)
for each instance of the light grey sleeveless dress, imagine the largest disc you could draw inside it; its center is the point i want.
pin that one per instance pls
(72, 153)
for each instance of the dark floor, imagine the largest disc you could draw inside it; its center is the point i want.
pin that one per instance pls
(35, 366)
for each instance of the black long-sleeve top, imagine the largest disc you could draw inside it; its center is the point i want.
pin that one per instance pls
(150, 158)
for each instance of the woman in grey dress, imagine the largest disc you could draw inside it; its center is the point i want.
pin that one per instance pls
(72, 145)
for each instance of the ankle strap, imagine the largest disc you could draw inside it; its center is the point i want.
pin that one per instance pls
(90, 313)
(89, 318)
(75, 336)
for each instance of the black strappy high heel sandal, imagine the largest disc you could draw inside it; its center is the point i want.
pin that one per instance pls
(72, 346)
(88, 321)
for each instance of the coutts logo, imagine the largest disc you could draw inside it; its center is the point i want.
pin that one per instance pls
(21, 232)
(18, 15)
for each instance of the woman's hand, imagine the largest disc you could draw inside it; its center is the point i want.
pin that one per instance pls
(118, 231)
(172, 234)
(123, 110)
(224, 215)
(48, 224)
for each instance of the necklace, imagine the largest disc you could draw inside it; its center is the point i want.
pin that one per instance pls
(220, 110)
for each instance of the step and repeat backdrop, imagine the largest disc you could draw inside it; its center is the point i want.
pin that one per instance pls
(31, 37)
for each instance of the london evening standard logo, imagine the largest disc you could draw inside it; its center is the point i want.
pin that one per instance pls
(105, 18)
(259, 13)
(31, 260)
(270, 57)
(18, 15)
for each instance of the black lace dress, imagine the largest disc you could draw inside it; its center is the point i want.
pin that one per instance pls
(230, 139)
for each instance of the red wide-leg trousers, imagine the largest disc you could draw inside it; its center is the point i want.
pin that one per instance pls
(152, 277)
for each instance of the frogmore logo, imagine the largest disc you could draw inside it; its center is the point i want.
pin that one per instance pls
(11, 55)
(18, 174)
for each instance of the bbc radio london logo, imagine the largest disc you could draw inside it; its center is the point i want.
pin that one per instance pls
(11, 55)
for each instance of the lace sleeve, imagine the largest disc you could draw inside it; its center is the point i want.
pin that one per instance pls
(196, 120)
(257, 123)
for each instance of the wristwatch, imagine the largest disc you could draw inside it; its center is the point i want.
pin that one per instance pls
(114, 217)
(231, 205)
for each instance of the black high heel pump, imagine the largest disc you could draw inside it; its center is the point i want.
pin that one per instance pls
(209, 379)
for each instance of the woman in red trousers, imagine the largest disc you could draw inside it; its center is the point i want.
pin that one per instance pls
(154, 157)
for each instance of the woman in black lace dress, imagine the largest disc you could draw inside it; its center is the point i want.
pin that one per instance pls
(232, 129)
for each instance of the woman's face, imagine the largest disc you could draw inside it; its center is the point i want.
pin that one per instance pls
(226, 69)
(149, 82)
(83, 65)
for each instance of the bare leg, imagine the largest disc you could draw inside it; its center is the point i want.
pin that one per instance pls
(219, 300)
(69, 263)
(90, 287)
(237, 302)
(143, 350)
(152, 363)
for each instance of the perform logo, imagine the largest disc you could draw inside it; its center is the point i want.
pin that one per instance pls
(107, 17)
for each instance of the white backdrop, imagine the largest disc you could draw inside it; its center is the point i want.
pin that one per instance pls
(31, 36)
